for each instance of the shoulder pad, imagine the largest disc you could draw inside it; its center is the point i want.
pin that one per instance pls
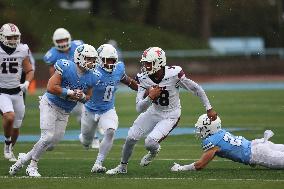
(62, 65)
(172, 71)
(24, 48)
(77, 42)
(141, 76)
(50, 56)
(120, 66)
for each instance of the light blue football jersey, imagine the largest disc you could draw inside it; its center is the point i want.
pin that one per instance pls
(71, 80)
(53, 54)
(104, 91)
(235, 148)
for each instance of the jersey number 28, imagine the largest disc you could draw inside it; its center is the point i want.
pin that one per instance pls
(235, 141)
(163, 99)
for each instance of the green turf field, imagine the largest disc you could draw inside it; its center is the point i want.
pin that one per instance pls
(68, 166)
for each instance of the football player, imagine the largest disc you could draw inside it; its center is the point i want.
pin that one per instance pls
(100, 112)
(64, 48)
(71, 83)
(161, 109)
(14, 58)
(218, 142)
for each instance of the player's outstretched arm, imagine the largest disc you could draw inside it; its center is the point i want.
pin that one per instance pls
(197, 90)
(199, 164)
(129, 82)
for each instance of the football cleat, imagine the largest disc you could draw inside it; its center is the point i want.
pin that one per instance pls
(176, 167)
(97, 168)
(120, 169)
(18, 165)
(32, 171)
(148, 158)
(13, 158)
(267, 135)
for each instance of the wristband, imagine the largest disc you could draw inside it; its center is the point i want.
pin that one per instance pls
(66, 92)
(27, 83)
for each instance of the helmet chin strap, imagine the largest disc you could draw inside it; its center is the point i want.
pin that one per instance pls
(106, 68)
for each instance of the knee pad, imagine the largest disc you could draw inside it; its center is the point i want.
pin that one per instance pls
(109, 133)
(130, 140)
(151, 145)
(47, 138)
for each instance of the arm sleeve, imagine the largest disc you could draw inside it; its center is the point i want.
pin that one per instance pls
(196, 89)
(60, 66)
(206, 145)
(142, 103)
(121, 67)
(32, 60)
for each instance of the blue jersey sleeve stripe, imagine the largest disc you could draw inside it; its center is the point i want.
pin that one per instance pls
(57, 68)
(207, 146)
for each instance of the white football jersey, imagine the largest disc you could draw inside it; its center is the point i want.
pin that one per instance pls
(169, 98)
(11, 66)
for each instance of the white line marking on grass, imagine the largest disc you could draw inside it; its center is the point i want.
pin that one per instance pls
(144, 178)
(160, 159)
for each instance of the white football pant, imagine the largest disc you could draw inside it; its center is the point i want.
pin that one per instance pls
(13, 103)
(90, 122)
(267, 154)
(154, 124)
(53, 122)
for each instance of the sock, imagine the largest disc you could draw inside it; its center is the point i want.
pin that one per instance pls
(33, 163)
(105, 146)
(100, 159)
(8, 140)
(127, 149)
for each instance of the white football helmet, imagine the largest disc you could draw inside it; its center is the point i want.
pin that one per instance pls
(8, 30)
(204, 126)
(156, 56)
(107, 51)
(60, 34)
(82, 52)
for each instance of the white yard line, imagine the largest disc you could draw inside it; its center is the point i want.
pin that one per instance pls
(145, 178)
(157, 159)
